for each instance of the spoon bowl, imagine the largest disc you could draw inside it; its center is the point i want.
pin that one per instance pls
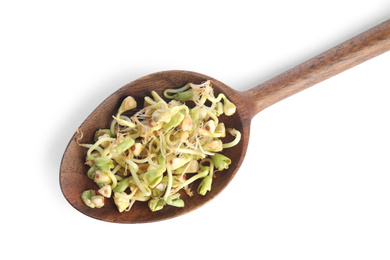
(73, 177)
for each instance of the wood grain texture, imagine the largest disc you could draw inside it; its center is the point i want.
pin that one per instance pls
(73, 177)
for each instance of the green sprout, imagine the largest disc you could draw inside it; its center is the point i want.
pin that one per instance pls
(151, 153)
(174, 122)
(92, 200)
(105, 191)
(122, 200)
(185, 96)
(221, 162)
(125, 145)
(174, 200)
(86, 197)
(123, 185)
(156, 204)
(128, 103)
(205, 185)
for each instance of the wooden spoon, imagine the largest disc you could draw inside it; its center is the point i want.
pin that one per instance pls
(73, 178)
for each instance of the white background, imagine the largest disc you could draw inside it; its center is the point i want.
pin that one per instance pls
(315, 183)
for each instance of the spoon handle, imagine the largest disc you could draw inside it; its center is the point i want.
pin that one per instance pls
(348, 54)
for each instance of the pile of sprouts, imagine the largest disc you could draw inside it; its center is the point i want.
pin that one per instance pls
(161, 149)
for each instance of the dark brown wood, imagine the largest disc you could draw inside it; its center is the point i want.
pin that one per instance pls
(73, 178)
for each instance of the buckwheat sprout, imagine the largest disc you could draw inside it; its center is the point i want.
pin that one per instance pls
(116, 169)
(212, 115)
(125, 173)
(152, 151)
(98, 148)
(132, 164)
(206, 182)
(214, 99)
(157, 97)
(125, 121)
(168, 139)
(128, 103)
(154, 145)
(163, 145)
(139, 161)
(169, 185)
(156, 127)
(96, 145)
(177, 109)
(190, 151)
(185, 170)
(178, 90)
(202, 100)
(206, 133)
(149, 101)
(150, 159)
(137, 182)
(198, 145)
(211, 164)
(113, 179)
(236, 140)
(112, 128)
(203, 172)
